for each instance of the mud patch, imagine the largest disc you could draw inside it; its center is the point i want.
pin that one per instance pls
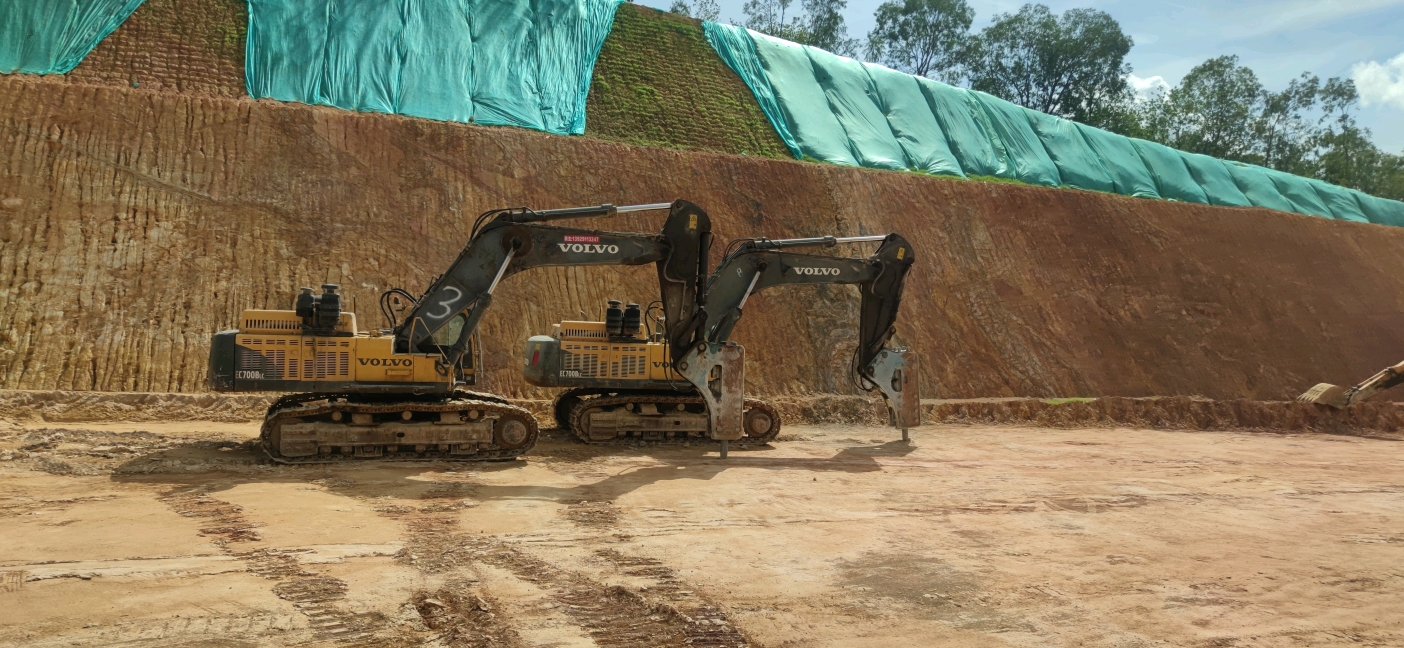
(465, 617)
(597, 515)
(315, 597)
(884, 583)
(15, 505)
(710, 625)
(222, 522)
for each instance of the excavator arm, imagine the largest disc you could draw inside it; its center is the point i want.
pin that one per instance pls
(506, 242)
(758, 264)
(1343, 397)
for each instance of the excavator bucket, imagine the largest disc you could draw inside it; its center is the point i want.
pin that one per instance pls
(1326, 394)
(895, 372)
(719, 373)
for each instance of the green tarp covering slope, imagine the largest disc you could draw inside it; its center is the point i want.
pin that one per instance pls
(1172, 178)
(977, 152)
(1340, 201)
(803, 106)
(1258, 187)
(1297, 190)
(833, 109)
(850, 94)
(1381, 211)
(738, 51)
(912, 122)
(1215, 180)
(1078, 165)
(1118, 155)
(1009, 123)
(503, 62)
(53, 36)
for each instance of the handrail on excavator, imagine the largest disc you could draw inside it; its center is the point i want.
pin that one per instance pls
(826, 241)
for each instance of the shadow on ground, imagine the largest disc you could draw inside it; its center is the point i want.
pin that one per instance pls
(216, 466)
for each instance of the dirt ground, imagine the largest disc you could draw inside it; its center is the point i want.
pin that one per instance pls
(166, 534)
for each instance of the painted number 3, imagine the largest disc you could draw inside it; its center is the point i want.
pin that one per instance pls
(447, 304)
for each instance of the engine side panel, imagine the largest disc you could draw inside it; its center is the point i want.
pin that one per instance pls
(254, 362)
(579, 361)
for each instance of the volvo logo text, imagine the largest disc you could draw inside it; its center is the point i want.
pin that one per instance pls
(817, 271)
(385, 362)
(590, 249)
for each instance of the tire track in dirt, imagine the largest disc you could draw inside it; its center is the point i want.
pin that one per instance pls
(664, 614)
(312, 594)
(622, 617)
(459, 609)
(698, 621)
(223, 631)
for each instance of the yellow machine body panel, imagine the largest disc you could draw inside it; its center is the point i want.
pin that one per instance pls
(271, 350)
(588, 352)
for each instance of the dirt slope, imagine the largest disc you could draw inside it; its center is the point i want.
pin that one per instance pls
(136, 223)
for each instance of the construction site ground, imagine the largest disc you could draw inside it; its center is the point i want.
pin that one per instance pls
(180, 534)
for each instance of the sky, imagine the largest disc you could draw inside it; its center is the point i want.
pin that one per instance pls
(1278, 39)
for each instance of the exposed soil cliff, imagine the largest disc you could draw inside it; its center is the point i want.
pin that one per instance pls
(136, 223)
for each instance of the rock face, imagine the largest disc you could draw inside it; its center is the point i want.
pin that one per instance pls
(133, 224)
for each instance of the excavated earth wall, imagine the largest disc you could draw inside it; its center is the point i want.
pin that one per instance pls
(134, 223)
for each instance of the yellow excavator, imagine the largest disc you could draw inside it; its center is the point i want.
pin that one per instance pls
(399, 392)
(1342, 397)
(620, 381)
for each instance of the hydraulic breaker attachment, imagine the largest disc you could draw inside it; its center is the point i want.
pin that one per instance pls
(895, 373)
(718, 370)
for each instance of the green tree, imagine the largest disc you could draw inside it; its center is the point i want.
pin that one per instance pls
(1345, 153)
(705, 9)
(920, 36)
(1221, 109)
(1073, 65)
(1214, 110)
(820, 25)
(771, 17)
(1348, 158)
(825, 28)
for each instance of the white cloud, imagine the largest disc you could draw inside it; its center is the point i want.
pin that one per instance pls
(1380, 82)
(1148, 87)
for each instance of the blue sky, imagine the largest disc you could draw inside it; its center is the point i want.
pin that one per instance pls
(1279, 39)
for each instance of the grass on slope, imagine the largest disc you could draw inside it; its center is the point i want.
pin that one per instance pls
(181, 45)
(658, 83)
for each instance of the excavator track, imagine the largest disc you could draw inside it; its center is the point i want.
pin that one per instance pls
(691, 409)
(330, 428)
